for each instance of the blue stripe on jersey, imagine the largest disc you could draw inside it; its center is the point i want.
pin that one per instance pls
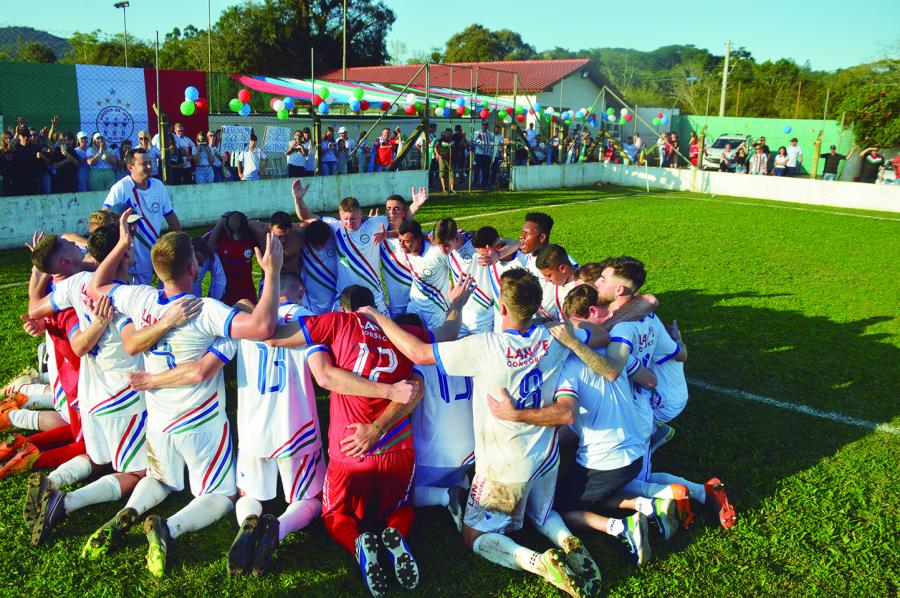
(227, 327)
(219, 354)
(302, 321)
(437, 359)
(619, 339)
(671, 355)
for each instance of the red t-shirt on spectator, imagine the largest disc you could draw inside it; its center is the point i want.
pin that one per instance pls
(384, 151)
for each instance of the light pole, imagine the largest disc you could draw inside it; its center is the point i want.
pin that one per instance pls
(344, 53)
(123, 6)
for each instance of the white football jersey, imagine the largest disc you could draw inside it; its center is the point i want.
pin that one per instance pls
(611, 423)
(442, 422)
(431, 284)
(671, 384)
(177, 410)
(638, 335)
(359, 258)
(152, 205)
(478, 312)
(319, 274)
(528, 366)
(103, 387)
(554, 297)
(550, 290)
(276, 416)
(495, 271)
(397, 277)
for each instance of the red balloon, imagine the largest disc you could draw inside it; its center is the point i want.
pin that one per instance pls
(410, 109)
(317, 99)
(244, 96)
(201, 104)
(364, 105)
(660, 115)
(520, 118)
(385, 106)
(555, 118)
(484, 113)
(460, 110)
(628, 117)
(509, 110)
(531, 111)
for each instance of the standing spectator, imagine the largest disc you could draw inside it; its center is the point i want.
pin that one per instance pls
(184, 150)
(484, 144)
(251, 163)
(539, 149)
(661, 146)
(673, 148)
(121, 167)
(460, 156)
(296, 154)
(427, 140)
(214, 141)
(311, 150)
(832, 161)
(520, 154)
(781, 162)
(609, 153)
(739, 163)
(443, 152)
(795, 158)
(530, 134)
(765, 149)
(44, 171)
(153, 152)
(631, 149)
(84, 170)
(345, 148)
(383, 151)
(203, 161)
(328, 161)
(361, 153)
(24, 164)
(66, 164)
(694, 149)
(759, 160)
(872, 161)
(584, 144)
(6, 162)
(894, 165)
(498, 153)
(103, 163)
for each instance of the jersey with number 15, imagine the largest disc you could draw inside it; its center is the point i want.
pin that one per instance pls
(358, 345)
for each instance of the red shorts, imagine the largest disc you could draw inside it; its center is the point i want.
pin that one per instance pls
(369, 489)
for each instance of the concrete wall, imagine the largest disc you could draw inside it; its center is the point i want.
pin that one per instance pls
(200, 205)
(885, 198)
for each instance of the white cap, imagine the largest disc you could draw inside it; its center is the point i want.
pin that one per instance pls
(80, 134)
(96, 135)
(133, 218)
(342, 130)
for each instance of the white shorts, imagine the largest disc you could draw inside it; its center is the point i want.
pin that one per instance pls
(116, 440)
(302, 475)
(671, 394)
(501, 507)
(206, 451)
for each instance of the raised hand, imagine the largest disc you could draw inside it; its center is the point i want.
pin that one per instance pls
(299, 190)
(373, 212)
(380, 236)
(418, 198)
(461, 291)
(182, 311)
(35, 239)
(125, 227)
(271, 260)
(674, 332)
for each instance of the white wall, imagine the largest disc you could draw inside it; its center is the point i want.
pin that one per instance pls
(201, 205)
(885, 198)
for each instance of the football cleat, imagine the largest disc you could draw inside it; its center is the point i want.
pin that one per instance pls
(405, 567)
(268, 542)
(665, 515)
(10, 444)
(5, 407)
(158, 539)
(240, 555)
(38, 483)
(661, 435)
(634, 536)
(27, 376)
(367, 556)
(110, 534)
(583, 565)
(717, 500)
(21, 460)
(559, 574)
(53, 510)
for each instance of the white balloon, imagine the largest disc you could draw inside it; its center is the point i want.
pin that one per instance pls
(410, 98)
(623, 111)
(278, 105)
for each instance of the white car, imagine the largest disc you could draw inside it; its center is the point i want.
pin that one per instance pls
(713, 155)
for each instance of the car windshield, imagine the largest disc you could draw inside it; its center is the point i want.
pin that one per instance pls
(720, 143)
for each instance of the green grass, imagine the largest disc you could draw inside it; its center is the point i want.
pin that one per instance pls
(797, 305)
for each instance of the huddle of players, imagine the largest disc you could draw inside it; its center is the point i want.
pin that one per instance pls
(466, 368)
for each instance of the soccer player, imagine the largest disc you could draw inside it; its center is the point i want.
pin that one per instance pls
(235, 240)
(113, 415)
(493, 261)
(430, 271)
(670, 396)
(397, 277)
(370, 472)
(515, 463)
(208, 261)
(556, 269)
(478, 312)
(147, 197)
(320, 268)
(186, 426)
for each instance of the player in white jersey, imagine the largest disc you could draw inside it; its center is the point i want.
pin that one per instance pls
(397, 278)
(478, 312)
(516, 462)
(496, 255)
(319, 270)
(670, 396)
(185, 426)
(535, 237)
(557, 271)
(113, 415)
(147, 197)
(430, 271)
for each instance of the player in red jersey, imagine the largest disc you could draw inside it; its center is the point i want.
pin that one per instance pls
(370, 445)
(233, 240)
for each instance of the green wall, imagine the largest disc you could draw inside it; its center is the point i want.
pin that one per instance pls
(772, 129)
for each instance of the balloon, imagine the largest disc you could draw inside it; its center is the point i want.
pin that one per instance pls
(509, 110)
(418, 106)
(289, 103)
(611, 117)
(410, 98)
(438, 111)
(283, 115)
(235, 105)
(664, 120)
(364, 105)
(460, 101)
(656, 121)
(245, 110)
(201, 104)
(278, 105)
(623, 111)
(580, 115)
(531, 112)
(568, 122)
(355, 105)
(317, 100)
(324, 93)
(441, 103)
(244, 96)
(191, 93)
(385, 106)
(483, 114)
(446, 112)
(410, 109)
(272, 104)
(358, 93)
(537, 107)
(659, 115)
(611, 111)
(520, 118)
(787, 129)
(622, 121)
(324, 108)
(460, 110)
(628, 117)
(187, 107)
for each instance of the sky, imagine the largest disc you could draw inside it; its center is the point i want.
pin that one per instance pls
(830, 34)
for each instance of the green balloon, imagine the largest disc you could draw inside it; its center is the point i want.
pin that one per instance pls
(358, 93)
(324, 93)
(611, 111)
(419, 106)
(441, 103)
(235, 105)
(187, 108)
(656, 121)
(283, 114)
(622, 121)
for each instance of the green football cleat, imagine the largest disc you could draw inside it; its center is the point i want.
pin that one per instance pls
(38, 484)
(665, 515)
(635, 538)
(158, 539)
(559, 574)
(583, 565)
(110, 535)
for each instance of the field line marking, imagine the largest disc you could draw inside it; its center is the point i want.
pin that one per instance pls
(14, 284)
(820, 413)
(689, 195)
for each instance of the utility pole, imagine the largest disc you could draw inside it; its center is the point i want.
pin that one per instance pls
(209, 36)
(725, 78)
(344, 61)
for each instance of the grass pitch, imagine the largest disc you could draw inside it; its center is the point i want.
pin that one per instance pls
(792, 303)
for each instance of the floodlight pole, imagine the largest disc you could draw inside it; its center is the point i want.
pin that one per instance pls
(123, 6)
(344, 59)
(725, 78)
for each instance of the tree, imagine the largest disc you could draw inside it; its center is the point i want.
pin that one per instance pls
(512, 47)
(35, 52)
(874, 110)
(91, 48)
(477, 43)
